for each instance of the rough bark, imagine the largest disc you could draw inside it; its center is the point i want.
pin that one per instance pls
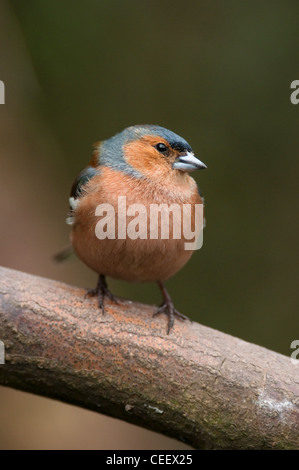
(196, 384)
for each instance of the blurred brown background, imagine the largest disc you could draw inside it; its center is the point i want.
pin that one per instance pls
(217, 73)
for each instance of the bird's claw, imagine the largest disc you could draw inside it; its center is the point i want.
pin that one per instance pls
(171, 312)
(101, 291)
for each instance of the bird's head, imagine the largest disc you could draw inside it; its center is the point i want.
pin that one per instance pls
(151, 151)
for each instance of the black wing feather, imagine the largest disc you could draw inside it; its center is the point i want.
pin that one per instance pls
(82, 179)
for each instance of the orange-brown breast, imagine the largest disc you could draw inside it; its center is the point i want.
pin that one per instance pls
(134, 260)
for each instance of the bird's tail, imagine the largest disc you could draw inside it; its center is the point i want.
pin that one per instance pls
(63, 254)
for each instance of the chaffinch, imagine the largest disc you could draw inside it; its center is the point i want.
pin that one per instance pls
(141, 167)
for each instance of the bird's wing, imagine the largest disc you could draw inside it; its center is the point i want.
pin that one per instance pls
(76, 192)
(78, 189)
(80, 182)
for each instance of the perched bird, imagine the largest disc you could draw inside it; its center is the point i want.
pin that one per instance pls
(144, 166)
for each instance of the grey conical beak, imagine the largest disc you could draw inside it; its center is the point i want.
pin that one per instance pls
(188, 163)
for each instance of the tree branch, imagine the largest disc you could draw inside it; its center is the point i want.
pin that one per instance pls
(196, 384)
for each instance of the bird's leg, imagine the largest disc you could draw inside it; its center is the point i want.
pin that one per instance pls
(168, 308)
(101, 290)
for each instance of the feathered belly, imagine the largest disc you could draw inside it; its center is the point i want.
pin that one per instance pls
(130, 259)
(134, 242)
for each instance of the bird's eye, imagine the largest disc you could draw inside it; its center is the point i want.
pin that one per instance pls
(161, 147)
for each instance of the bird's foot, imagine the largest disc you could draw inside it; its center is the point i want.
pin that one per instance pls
(101, 291)
(171, 312)
(167, 307)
